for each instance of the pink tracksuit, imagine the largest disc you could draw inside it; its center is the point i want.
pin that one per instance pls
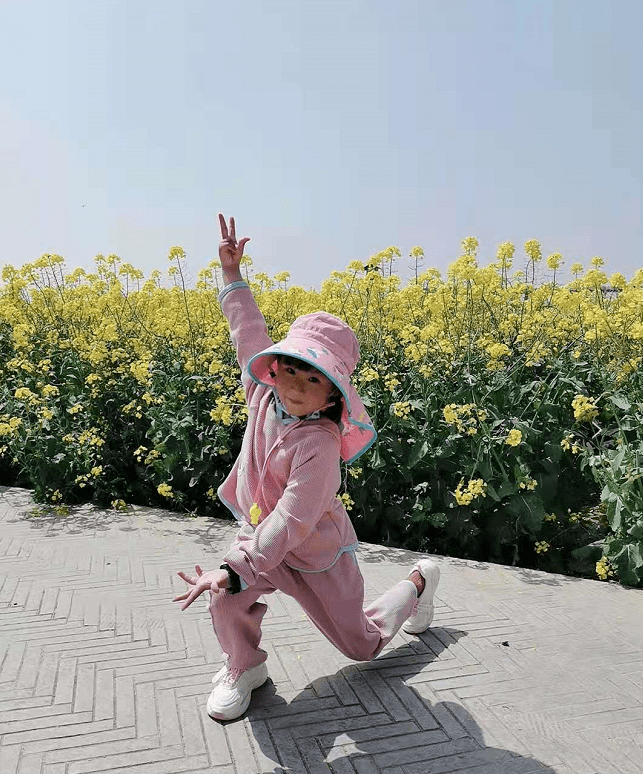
(304, 544)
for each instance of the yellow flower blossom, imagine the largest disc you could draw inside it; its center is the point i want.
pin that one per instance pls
(346, 501)
(514, 438)
(584, 408)
(49, 390)
(604, 569)
(391, 383)
(165, 490)
(475, 488)
(401, 409)
(368, 374)
(255, 513)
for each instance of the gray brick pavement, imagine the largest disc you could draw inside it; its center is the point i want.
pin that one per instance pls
(521, 672)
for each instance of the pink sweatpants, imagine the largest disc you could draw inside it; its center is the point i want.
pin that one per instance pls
(333, 600)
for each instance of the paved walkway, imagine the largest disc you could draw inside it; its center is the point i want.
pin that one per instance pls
(521, 672)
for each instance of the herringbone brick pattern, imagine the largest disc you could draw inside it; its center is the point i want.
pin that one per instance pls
(100, 672)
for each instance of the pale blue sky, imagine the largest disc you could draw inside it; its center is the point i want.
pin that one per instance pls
(330, 130)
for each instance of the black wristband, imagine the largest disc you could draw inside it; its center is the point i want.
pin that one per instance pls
(234, 581)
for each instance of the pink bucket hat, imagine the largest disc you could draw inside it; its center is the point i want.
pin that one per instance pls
(328, 344)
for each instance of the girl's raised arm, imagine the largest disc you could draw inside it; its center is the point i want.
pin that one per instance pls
(247, 325)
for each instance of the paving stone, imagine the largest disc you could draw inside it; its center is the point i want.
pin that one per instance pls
(521, 672)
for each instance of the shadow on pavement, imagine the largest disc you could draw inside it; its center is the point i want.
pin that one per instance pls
(406, 730)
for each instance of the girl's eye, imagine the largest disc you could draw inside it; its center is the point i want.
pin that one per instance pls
(314, 379)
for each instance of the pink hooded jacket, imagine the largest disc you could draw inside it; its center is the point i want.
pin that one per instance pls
(290, 468)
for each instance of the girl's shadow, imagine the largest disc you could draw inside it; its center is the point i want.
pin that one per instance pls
(373, 716)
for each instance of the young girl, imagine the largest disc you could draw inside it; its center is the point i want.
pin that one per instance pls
(295, 536)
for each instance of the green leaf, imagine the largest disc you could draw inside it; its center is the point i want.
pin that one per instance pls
(418, 453)
(636, 530)
(617, 460)
(493, 494)
(376, 460)
(621, 401)
(628, 562)
(395, 512)
(506, 488)
(553, 450)
(529, 510)
(437, 519)
(614, 513)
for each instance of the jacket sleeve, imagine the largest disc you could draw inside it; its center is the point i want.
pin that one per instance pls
(247, 325)
(315, 478)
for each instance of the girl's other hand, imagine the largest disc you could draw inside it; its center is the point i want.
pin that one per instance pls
(204, 581)
(230, 252)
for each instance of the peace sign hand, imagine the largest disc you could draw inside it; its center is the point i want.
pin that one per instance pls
(204, 581)
(230, 252)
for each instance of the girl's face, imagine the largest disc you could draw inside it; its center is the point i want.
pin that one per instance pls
(302, 392)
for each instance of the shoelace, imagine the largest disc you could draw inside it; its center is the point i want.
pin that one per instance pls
(232, 676)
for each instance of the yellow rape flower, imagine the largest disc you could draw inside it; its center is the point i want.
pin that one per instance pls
(584, 408)
(475, 488)
(140, 370)
(604, 569)
(24, 393)
(554, 261)
(49, 390)
(450, 414)
(391, 383)
(346, 501)
(529, 484)
(401, 409)
(165, 490)
(514, 438)
(368, 374)
(10, 427)
(255, 513)
(223, 412)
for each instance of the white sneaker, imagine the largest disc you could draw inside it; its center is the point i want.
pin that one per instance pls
(231, 695)
(423, 611)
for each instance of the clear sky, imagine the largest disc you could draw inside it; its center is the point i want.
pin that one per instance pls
(330, 129)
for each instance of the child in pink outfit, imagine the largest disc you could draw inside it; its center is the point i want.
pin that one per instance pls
(295, 535)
